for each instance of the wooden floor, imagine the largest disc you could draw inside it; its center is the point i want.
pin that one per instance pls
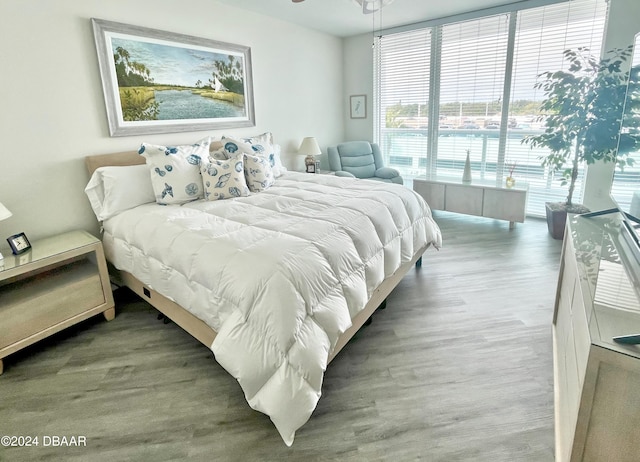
(457, 368)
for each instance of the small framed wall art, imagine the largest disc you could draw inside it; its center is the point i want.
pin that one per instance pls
(358, 106)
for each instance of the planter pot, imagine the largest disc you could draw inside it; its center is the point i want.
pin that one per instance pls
(556, 221)
(557, 216)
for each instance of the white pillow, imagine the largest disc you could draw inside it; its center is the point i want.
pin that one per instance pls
(112, 190)
(278, 167)
(224, 179)
(175, 171)
(258, 173)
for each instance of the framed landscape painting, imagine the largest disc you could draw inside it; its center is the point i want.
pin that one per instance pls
(162, 82)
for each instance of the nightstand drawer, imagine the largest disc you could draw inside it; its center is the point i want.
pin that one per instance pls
(46, 299)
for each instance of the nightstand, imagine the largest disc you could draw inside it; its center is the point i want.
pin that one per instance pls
(61, 281)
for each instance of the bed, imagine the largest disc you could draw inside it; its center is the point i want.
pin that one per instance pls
(275, 283)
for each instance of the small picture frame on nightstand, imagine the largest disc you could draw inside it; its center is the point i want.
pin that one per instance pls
(317, 166)
(311, 168)
(19, 243)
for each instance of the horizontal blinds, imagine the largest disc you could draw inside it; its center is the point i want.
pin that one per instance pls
(472, 71)
(466, 61)
(403, 75)
(627, 182)
(542, 35)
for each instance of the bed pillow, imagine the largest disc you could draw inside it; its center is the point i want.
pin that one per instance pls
(175, 171)
(224, 179)
(112, 190)
(278, 167)
(258, 173)
(264, 146)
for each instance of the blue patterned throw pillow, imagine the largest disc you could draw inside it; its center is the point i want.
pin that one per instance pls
(224, 179)
(263, 146)
(175, 171)
(258, 173)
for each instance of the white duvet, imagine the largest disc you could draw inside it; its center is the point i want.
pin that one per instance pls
(279, 274)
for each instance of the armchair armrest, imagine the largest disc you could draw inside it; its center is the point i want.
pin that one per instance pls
(387, 173)
(344, 174)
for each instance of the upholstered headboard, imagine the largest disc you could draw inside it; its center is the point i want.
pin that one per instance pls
(114, 159)
(125, 158)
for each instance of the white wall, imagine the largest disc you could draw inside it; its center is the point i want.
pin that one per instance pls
(53, 111)
(358, 80)
(622, 27)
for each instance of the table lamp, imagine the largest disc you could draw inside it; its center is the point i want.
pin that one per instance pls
(4, 214)
(309, 146)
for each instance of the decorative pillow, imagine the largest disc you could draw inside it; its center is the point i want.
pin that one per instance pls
(112, 190)
(219, 154)
(233, 145)
(230, 147)
(175, 171)
(224, 179)
(263, 146)
(258, 173)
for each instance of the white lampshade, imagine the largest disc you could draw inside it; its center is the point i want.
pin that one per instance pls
(309, 147)
(4, 212)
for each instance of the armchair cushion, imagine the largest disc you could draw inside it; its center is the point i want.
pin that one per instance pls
(357, 158)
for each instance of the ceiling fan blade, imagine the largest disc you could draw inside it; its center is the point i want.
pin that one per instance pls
(371, 6)
(368, 6)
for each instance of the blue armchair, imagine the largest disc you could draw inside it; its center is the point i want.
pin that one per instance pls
(361, 159)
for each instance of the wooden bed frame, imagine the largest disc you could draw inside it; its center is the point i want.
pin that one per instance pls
(197, 328)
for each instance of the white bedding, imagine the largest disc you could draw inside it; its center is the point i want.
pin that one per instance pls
(279, 274)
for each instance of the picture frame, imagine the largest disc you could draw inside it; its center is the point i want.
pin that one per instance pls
(19, 243)
(311, 167)
(155, 81)
(358, 106)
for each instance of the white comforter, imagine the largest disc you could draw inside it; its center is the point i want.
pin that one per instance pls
(279, 274)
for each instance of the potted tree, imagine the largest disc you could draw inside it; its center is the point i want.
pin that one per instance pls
(582, 113)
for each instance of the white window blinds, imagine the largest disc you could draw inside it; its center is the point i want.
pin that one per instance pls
(472, 71)
(456, 74)
(403, 77)
(542, 35)
(627, 183)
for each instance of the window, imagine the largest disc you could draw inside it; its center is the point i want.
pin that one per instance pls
(472, 71)
(626, 184)
(541, 37)
(475, 80)
(402, 107)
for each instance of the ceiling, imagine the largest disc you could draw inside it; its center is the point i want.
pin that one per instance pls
(344, 18)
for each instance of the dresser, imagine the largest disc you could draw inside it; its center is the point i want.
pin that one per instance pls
(596, 380)
(482, 198)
